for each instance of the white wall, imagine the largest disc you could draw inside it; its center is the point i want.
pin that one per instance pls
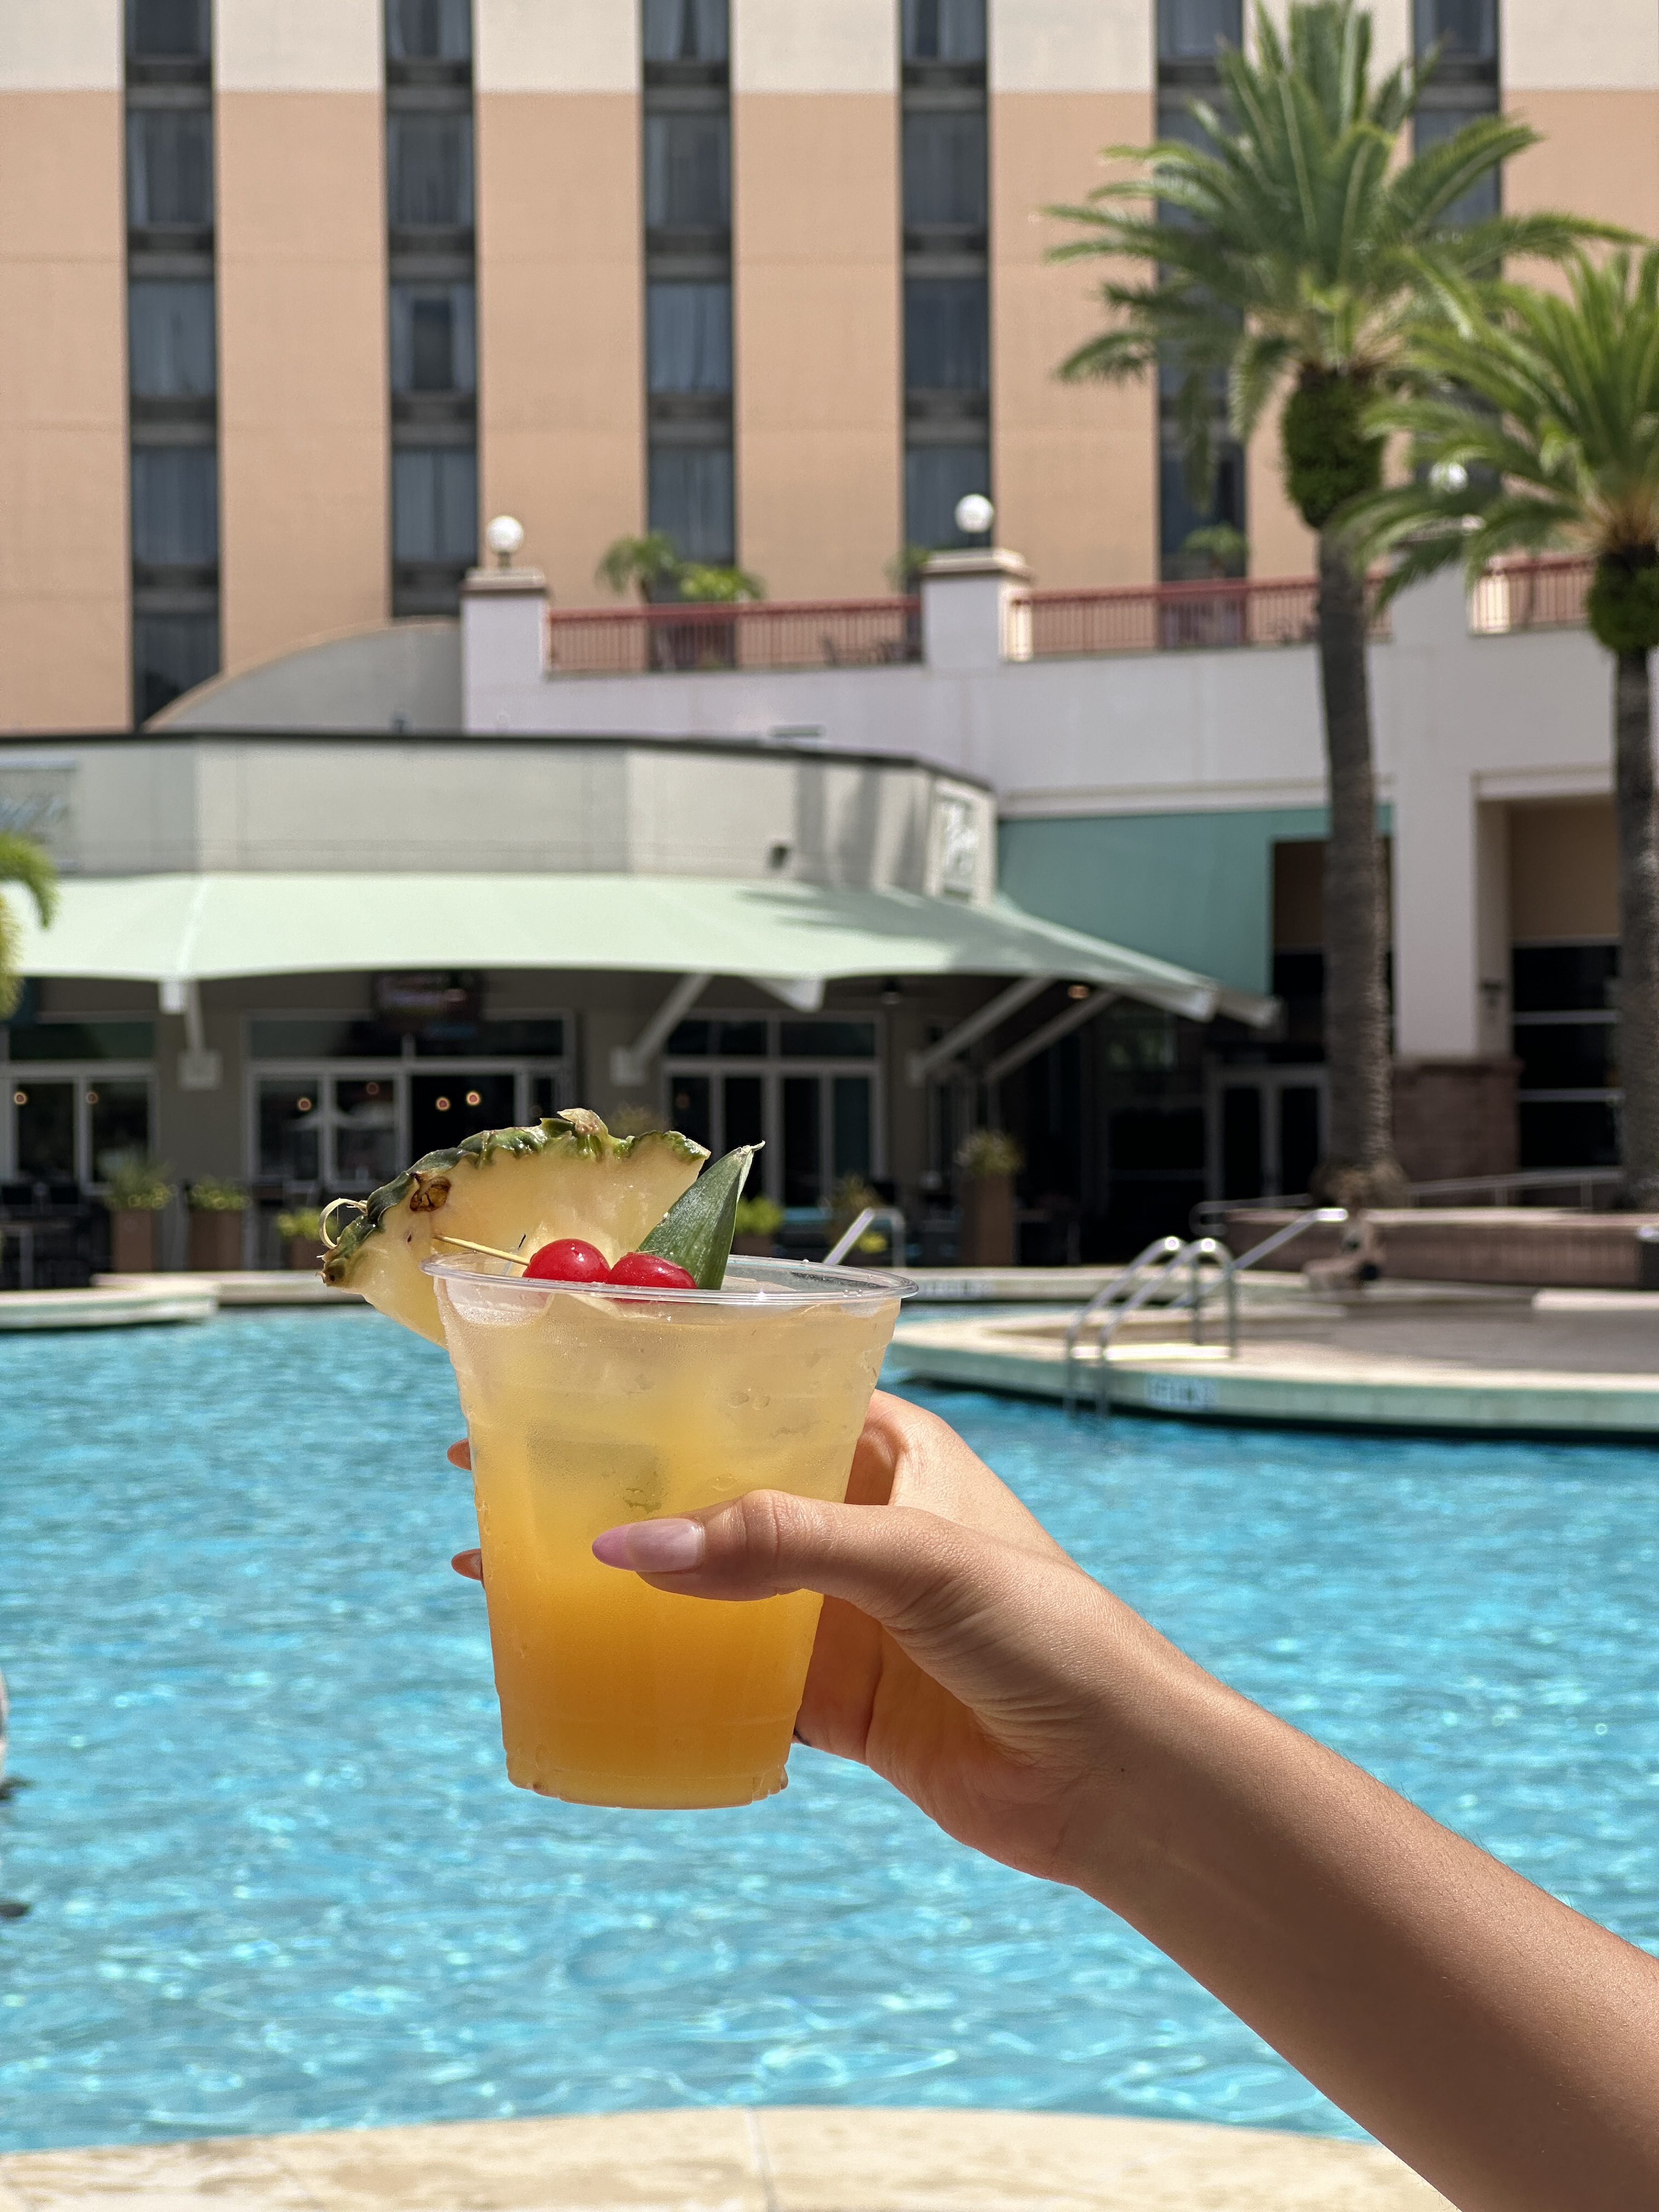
(1463, 725)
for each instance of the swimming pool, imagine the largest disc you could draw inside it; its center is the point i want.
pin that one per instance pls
(279, 1879)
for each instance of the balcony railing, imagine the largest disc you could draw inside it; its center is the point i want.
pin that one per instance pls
(773, 633)
(1173, 617)
(1531, 595)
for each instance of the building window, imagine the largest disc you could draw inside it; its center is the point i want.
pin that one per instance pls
(435, 506)
(428, 30)
(169, 170)
(1191, 30)
(175, 506)
(429, 172)
(1463, 35)
(1566, 1036)
(945, 189)
(687, 156)
(683, 31)
(172, 376)
(688, 344)
(431, 308)
(944, 31)
(691, 500)
(170, 341)
(947, 344)
(808, 1090)
(167, 30)
(1190, 33)
(433, 339)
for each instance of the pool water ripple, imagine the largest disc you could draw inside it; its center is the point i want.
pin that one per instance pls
(279, 1879)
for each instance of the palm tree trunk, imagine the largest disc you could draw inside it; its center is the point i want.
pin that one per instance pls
(1638, 931)
(1360, 1168)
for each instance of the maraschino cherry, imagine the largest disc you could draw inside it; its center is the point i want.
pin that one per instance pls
(567, 1260)
(650, 1271)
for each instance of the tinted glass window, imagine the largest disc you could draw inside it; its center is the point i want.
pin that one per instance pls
(120, 1123)
(434, 338)
(947, 343)
(803, 1172)
(689, 1103)
(1465, 30)
(37, 1041)
(169, 168)
(944, 169)
(688, 162)
(290, 1122)
(692, 499)
(684, 30)
(1191, 30)
(428, 30)
(175, 506)
(167, 30)
(935, 478)
(849, 1126)
(171, 653)
(688, 338)
(944, 30)
(429, 171)
(1551, 979)
(828, 1040)
(170, 340)
(45, 1130)
(435, 505)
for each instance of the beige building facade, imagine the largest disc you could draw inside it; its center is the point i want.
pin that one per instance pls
(601, 264)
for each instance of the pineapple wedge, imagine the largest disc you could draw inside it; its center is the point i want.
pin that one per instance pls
(515, 1189)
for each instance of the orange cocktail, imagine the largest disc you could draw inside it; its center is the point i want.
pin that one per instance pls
(590, 1405)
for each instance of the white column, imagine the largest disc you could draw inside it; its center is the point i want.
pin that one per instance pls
(974, 614)
(503, 646)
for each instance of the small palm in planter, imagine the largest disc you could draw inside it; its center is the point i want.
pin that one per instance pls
(988, 1159)
(135, 1188)
(759, 1220)
(301, 1233)
(216, 1225)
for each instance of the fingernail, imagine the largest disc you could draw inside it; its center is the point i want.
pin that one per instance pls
(651, 1547)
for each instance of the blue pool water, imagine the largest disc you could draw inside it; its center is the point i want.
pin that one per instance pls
(279, 1879)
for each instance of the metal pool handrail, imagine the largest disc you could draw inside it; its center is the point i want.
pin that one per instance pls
(1129, 1292)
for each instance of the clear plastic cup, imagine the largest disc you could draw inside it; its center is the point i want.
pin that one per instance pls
(590, 1404)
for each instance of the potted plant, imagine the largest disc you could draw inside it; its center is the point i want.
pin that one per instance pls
(990, 1159)
(301, 1235)
(216, 1208)
(135, 1188)
(759, 1220)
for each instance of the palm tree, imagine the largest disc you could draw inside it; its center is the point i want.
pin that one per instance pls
(22, 862)
(1540, 428)
(1291, 251)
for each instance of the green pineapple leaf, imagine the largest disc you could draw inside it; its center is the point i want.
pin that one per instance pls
(697, 1230)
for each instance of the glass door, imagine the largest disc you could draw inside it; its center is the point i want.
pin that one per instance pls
(1266, 1130)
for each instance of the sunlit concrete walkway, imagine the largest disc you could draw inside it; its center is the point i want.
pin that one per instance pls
(730, 2160)
(1431, 1355)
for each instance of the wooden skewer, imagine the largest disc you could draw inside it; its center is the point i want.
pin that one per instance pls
(489, 1251)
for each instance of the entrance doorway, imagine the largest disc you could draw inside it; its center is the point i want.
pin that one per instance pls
(444, 1108)
(1264, 1129)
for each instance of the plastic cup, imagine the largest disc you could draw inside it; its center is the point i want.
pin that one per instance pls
(590, 1404)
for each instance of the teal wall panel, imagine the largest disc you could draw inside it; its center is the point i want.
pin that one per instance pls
(1193, 888)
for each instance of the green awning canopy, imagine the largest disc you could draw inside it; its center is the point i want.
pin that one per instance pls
(159, 929)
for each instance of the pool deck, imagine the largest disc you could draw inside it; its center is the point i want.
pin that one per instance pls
(730, 2160)
(1409, 1357)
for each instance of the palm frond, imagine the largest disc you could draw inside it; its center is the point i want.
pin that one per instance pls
(22, 860)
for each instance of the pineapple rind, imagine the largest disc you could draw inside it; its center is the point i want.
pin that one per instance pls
(380, 1252)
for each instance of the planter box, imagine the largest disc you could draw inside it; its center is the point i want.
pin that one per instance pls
(215, 1243)
(303, 1253)
(755, 1248)
(988, 1222)
(131, 1241)
(1525, 1244)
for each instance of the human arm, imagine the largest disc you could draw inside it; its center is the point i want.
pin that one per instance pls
(1506, 2047)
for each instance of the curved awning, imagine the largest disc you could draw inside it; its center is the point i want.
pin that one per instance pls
(201, 927)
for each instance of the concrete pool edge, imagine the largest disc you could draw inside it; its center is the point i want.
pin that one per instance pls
(1269, 1384)
(733, 2159)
